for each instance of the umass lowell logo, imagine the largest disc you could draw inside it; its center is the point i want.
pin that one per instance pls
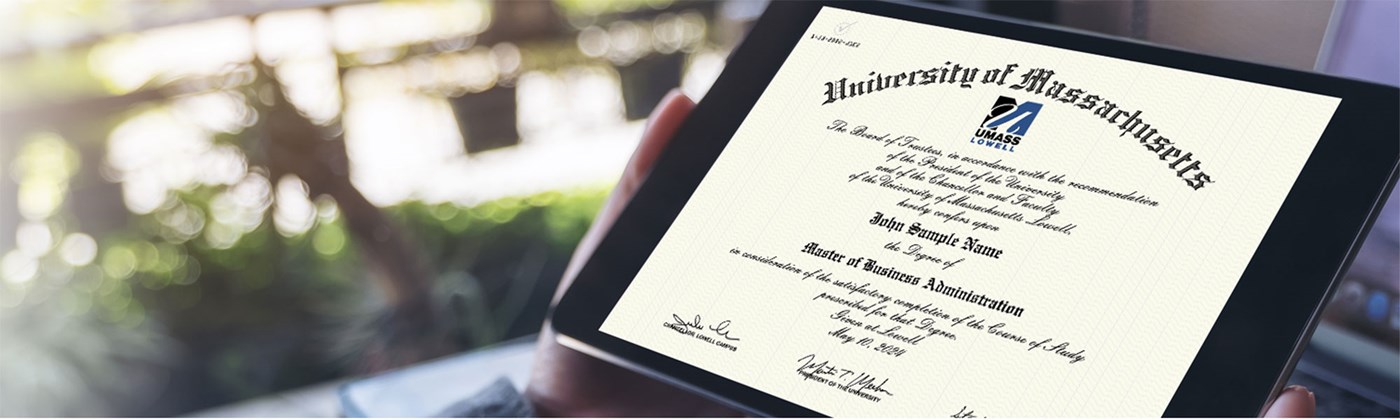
(1006, 124)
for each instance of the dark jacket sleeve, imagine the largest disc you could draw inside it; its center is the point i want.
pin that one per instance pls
(500, 399)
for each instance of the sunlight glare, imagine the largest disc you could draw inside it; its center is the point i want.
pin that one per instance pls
(293, 213)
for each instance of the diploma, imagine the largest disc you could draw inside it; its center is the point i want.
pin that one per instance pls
(918, 221)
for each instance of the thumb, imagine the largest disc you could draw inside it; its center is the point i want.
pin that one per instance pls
(662, 125)
(1294, 401)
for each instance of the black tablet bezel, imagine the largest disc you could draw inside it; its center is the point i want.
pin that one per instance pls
(1253, 343)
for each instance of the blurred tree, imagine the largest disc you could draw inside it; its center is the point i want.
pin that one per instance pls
(148, 262)
(410, 329)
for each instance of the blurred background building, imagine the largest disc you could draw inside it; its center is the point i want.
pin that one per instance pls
(203, 202)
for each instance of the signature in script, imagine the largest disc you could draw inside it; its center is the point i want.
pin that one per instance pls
(812, 367)
(965, 413)
(720, 329)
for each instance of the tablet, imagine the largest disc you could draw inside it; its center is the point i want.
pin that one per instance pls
(889, 210)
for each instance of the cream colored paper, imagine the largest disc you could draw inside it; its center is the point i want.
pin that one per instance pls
(1132, 289)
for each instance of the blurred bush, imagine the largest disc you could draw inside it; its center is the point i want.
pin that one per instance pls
(208, 201)
(210, 325)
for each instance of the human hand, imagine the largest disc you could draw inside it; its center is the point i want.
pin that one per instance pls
(565, 382)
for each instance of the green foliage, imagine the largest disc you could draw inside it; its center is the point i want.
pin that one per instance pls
(267, 313)
(554, 217)
(498, 261)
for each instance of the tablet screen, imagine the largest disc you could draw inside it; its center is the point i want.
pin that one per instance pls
(920, 221)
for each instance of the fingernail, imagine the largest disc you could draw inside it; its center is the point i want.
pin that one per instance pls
(1311, 396)
(673, 92)
(668, 97)
(659, 105)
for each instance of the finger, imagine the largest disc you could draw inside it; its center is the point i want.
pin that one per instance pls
(660, 128)
(1294, 401)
